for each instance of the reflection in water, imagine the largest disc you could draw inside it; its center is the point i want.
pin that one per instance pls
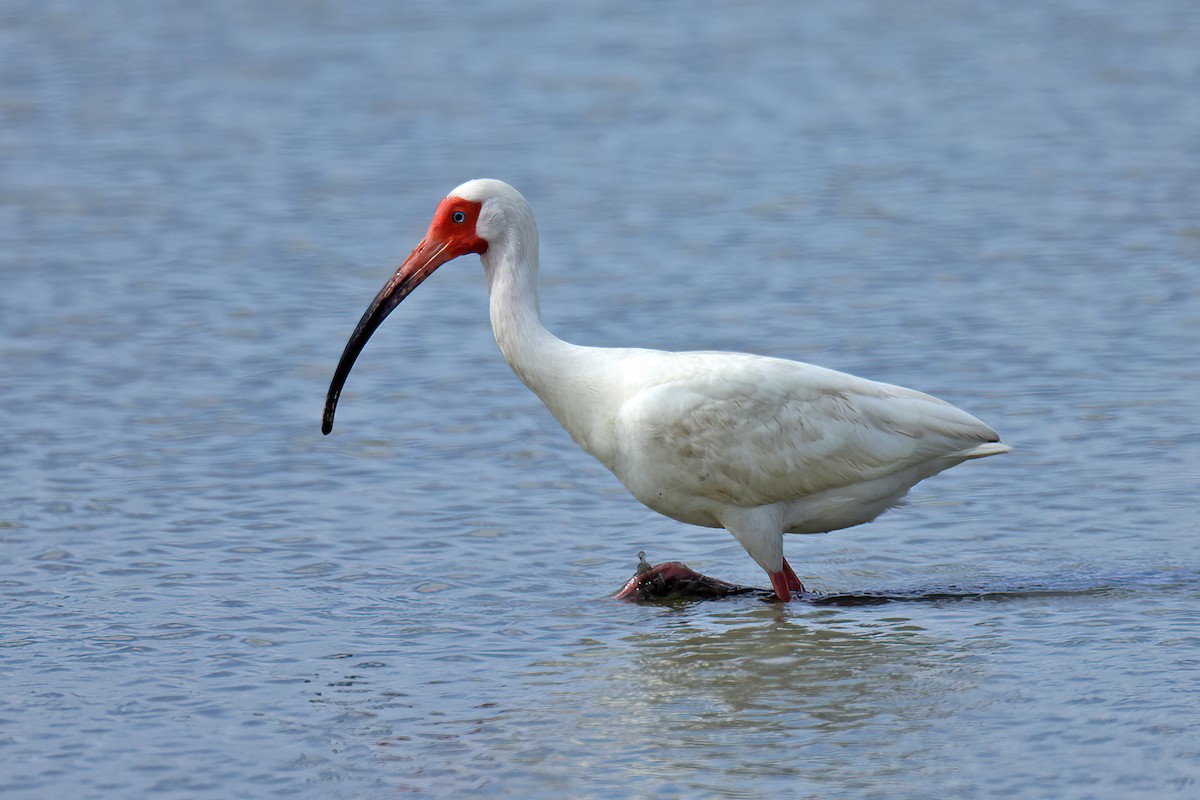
(770, 692)
(766, 663)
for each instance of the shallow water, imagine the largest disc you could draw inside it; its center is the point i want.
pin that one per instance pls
(204, 597)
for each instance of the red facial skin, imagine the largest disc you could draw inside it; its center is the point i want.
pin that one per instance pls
(459, 236)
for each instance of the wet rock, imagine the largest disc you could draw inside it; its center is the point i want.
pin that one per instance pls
(674, 581)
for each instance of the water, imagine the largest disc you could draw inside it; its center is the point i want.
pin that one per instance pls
(204, 597)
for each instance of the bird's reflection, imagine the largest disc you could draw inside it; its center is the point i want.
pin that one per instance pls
(769, 667)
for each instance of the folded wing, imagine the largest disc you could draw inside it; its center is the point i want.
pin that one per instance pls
(752, 431)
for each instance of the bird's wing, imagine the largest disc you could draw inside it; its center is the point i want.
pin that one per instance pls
(751, 430)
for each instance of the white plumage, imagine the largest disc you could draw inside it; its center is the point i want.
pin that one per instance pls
(759, 446)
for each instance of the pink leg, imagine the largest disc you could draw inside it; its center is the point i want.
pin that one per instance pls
(793, 582)
(779, 582)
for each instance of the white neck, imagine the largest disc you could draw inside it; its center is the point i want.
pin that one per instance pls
(564, 376)
(529, 348)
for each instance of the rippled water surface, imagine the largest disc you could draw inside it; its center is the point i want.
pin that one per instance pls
(204, 597)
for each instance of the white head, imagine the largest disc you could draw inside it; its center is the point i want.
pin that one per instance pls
(503, 220)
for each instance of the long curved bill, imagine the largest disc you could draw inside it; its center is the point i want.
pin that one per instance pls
(420, 264)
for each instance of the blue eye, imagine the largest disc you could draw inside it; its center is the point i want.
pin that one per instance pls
(458, 216)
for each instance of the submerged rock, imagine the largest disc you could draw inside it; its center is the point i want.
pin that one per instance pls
(673, 580)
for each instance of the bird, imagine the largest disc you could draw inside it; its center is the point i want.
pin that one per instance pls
(756, 445)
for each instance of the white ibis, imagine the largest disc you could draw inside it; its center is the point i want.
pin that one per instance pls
(758, 446)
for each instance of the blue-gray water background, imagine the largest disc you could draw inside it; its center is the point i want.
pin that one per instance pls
(203, 597)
